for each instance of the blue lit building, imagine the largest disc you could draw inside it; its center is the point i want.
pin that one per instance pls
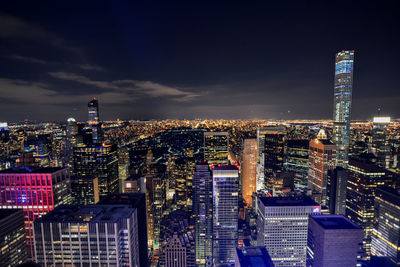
(342, 104)
(202, 211)
(225, 214)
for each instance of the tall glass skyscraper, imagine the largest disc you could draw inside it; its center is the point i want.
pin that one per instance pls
(202, 209)
(225, 214)
(93, 120)
(342, 104)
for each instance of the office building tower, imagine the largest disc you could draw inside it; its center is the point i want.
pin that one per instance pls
(253, 257)
(333, 240)
(179, 181)
(69, 142)
(177, 240)
(336, 188)
(94, 121)
(282, 227)
(123, 166)
(99, 161)
(85, 190)
(296, 161)
(175, 254)
(36, 192)
(156, 203)
(202, 212)
(270, 143)
(386, 231)
(216, 146)
(249, 169)
(380, 141)
(225, 214)
(12, 237)
(137, 201)
(322, 158)
(363, 180)
(342, 105)
(90, 235)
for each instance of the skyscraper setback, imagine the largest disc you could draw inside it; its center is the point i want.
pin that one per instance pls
(342, 104)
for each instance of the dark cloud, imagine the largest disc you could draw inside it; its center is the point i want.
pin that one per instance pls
(194, 60)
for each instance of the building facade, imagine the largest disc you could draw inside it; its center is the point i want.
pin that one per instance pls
(36, 192)
(386, 230)
(363, 180)
(322, 158)
(333, 240)
(12, 237)
(344, 65)
(102, 235)
(249, 169)
(282, 227)
(202, 211)
(296, 161)
(216, 145)
(225, 214)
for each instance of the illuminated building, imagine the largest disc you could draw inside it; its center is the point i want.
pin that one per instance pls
(216, 147)
(40, 146)
(322, 158)
(342, 105)
(99, 161)
(94, 121)
(270, 155)
(202, 211)
(363, 180)
(333, 240)
(12, 237)
(102, 235)
(253, 257)
(85, 190)
(386, 230)
(282, 227)
(177, 240)
(123, 167)
(36, 191)
(336, 188)
(179, 175)
(249, 169)
(135, 184)
(380, 141)
(137, 201)
(156, 190)
(225, 213)
(296, 161)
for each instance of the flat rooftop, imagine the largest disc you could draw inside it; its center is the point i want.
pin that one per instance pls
(287, 201)
(334, 222)
(254, 257)
(31, 170)
(224, 168)
(87, 213)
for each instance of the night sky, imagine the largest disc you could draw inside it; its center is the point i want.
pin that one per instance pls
(194, 59)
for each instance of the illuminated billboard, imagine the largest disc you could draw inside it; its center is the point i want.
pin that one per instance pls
(381, 119)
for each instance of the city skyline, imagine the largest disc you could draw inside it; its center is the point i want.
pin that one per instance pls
(187, 61)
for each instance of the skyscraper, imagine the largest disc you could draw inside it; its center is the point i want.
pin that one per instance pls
(380, 141)
(36, 192)
(12, 237)
(249, 169)
(225, 214)
(282, 227)
(296, 161)
(99, 161)
(342, 104)
(333, 240)
(270, 155)
(137, 201)
(216, 147)
(386, 231)
(91, 235)
(94, 121)
(202, 211)
(322, 158)
(363, 180)
(336, 190)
